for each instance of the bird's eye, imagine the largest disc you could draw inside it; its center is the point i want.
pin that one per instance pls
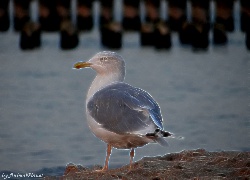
(103, 59)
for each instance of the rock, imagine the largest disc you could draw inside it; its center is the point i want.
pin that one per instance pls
(190, 164)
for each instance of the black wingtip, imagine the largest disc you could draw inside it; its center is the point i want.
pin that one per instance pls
(150, 134)
(163, 133)
(166, 134)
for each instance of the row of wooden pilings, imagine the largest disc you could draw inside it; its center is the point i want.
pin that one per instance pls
(191, 19)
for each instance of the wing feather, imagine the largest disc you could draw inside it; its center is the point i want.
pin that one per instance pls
(122, 108)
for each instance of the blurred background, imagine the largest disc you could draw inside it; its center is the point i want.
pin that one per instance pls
(191, 56)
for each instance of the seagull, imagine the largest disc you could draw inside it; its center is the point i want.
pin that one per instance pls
(121, 115)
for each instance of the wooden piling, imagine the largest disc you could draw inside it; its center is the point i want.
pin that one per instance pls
(162, 36)
(247, 41)
(48, 17)
(193, 30)
(244, 15)
(63, 10)
(21, 13)
(68, 35)
(224, 14)
(131, 15)
(30, 36)
(106, 12)
(219, 34)
(177, 10)
(152, 8)
(111, 35)
(84, 15)
(201, 25)
(147, 34)
(4, 15)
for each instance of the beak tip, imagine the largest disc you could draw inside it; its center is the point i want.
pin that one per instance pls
(76, 67)
(80, 65)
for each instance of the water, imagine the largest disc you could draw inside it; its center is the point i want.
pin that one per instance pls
(204, 97)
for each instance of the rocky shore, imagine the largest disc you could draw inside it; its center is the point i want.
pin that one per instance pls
(191, 164)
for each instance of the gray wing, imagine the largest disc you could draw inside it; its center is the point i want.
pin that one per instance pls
(122, 108)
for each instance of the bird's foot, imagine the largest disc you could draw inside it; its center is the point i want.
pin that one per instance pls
(104, 169)
(130, 168)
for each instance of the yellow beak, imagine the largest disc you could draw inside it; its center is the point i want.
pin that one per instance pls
(80, 65)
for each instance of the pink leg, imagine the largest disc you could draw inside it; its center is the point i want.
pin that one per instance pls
(132, 154)
(106, 166)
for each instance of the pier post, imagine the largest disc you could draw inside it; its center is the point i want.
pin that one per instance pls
(224, 14)
(162, 36)
(201, 25)
(21, 13)
(177, 10)
(131, 15)
(48, 17)
(244, 15)
(106, 12)
(152, 8)
(84, 15)
(110, 31)
(30, 36)
(4, 15)
(68, 35)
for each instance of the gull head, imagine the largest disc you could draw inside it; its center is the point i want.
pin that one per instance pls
(105, 62)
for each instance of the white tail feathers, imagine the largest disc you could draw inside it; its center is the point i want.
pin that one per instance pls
(162, 141)
(159, 136)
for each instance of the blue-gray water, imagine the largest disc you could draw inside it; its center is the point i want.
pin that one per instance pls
(204, 97)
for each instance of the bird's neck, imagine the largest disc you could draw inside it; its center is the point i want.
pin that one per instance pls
(102, 81)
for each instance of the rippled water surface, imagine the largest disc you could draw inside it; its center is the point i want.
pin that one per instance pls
(204, 97)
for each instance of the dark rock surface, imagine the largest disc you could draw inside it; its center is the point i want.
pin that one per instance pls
(191, 164)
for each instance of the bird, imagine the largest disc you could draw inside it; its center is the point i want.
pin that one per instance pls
(121, 115)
